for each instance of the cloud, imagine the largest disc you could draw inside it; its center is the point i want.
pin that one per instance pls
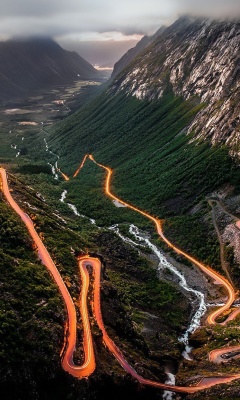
(78, 17)
(214, 8)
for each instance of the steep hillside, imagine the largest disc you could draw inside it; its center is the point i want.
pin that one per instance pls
(195, 58)
(145, 126)
(33, 316)
(32, 64)
(148, 137)
(132, 53)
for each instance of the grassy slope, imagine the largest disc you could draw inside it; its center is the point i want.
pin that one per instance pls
(144, 142)
(155, 166)
(32, 311)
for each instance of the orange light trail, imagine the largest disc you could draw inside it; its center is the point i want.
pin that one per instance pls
(70, 332)
(65, 177)
(96, 266)
(80, 166)
(70, 337)
(209, 271)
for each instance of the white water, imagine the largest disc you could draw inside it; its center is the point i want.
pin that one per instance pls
(125, 239)
(167, 395)
(14, 146)
(46, 144)
(63, 196)
(53, 170)
(47, 149)
(164, 263)
(74, 208)
(55, 166)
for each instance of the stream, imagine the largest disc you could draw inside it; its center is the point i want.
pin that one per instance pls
(164, 263)
(74, 208)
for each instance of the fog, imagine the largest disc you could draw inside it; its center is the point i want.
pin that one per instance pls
(82, 21)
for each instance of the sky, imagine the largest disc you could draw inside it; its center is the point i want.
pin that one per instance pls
(101, 29)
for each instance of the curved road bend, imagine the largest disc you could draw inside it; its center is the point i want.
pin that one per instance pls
(204, 384)
(209, 271)
(216, 355)
(70, 338)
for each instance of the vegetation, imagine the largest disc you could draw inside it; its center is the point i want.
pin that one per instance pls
(192, 237)
(155, 165)
(155, 168)
(32, 313)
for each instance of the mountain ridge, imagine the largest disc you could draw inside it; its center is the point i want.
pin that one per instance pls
(195, 57)
(157, 168)
(30, 64)
(125, 60)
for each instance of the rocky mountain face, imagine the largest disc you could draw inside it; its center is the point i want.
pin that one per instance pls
(199, 58)
(31, 64)
(134, 52)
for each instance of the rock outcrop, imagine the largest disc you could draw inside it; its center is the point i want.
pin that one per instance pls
(194, 57)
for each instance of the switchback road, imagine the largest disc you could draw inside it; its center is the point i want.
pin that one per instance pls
(88, 365)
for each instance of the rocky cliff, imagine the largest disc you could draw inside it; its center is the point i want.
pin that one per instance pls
(199, 58)
(135, 51)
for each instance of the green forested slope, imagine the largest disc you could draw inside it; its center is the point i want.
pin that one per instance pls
(156, 166)
(144, 142)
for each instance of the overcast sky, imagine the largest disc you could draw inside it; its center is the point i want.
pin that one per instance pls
(100, 20)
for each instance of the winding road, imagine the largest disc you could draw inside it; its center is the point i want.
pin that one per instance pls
(89, 365)
(70, 330)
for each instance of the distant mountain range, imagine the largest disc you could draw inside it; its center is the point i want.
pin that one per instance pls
(32, 64)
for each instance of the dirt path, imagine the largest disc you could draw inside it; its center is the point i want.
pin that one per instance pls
(222, 257)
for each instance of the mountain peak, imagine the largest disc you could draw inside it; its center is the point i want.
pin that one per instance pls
(32, 63)
(194, 57)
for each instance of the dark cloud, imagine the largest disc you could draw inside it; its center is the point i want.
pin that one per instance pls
(58, 17)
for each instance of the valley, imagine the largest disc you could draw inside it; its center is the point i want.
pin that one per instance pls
(70, 332)
(149, 220)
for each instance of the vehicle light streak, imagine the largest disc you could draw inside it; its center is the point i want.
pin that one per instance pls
(209, 271)
(96, 266)
(70, 337)
(70, 332)
(65, 177)
(80, 166)
(215, 355)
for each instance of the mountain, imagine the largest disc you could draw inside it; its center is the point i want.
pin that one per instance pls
(169, 140)
(194, 62)
(35, 63)
(196, 58)
(132, 53)
(167, 126)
